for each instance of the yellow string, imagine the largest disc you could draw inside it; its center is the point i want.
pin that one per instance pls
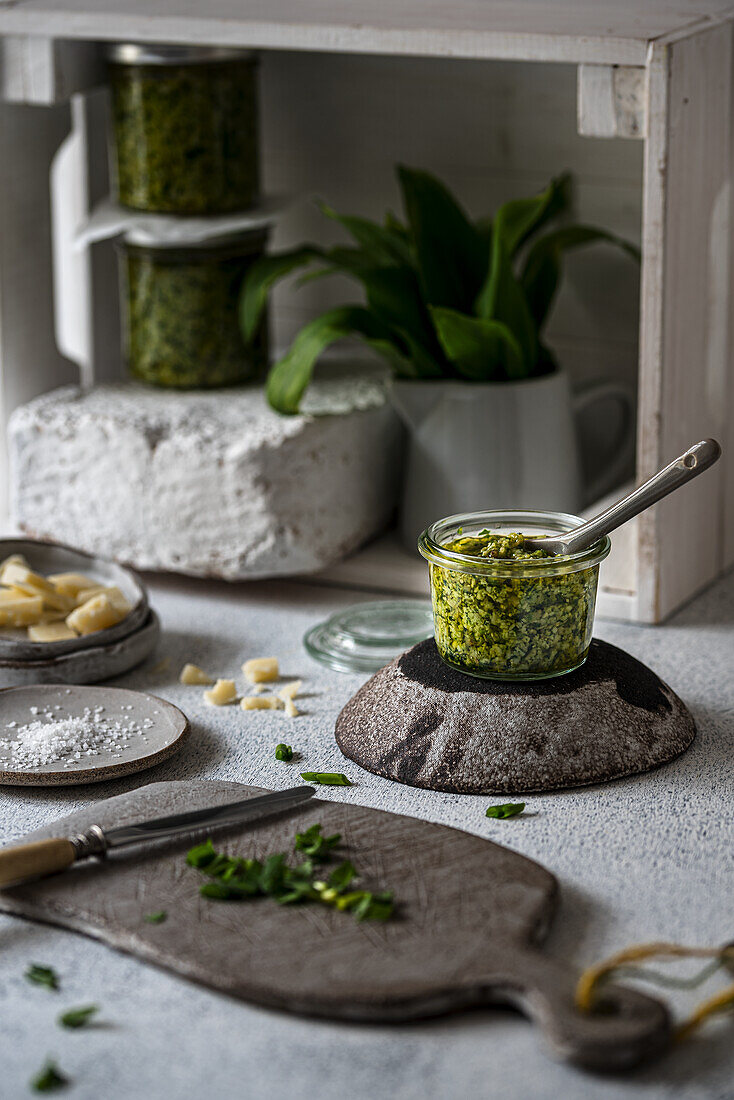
(589, 980)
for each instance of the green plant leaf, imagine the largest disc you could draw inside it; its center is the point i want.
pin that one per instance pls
(480, 350)
(503, 299)
(381, 245)
(517, 219)
(451, 254)
(394, 297)
(262, 276)
(290, 376)
(541, 271)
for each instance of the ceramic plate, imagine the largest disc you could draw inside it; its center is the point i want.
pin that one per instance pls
(145, 730)
(86, 666)
(48, 557)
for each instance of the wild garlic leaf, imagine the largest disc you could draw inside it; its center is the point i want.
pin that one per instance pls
(78, 1017)
(49, 1078)
(42, 975)
(507, 809)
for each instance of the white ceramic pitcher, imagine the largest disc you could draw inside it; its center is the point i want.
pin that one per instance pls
(485, 445)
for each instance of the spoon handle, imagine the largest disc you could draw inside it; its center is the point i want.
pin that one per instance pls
(687, 466)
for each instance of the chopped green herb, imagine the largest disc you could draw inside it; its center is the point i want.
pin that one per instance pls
(239, 879)
(42, 975)
(201, 855)
(314, 845)
(49, 1078)
(78, 1017)
(284, 753)
(507, 809)
(327, 779)
(156, 918)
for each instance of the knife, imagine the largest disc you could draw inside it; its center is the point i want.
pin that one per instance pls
(44, 857)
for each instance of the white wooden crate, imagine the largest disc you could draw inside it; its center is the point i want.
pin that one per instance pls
(492, 94)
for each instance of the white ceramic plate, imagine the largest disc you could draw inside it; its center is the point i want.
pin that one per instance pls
(48, 557)
(159, 730)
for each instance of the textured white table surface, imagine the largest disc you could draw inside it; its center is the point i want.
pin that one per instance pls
(650, 857)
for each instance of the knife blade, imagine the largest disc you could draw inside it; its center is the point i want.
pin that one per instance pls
(44, 857)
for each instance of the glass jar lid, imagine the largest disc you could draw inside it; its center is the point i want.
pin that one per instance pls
(153, 53)
(366, 637)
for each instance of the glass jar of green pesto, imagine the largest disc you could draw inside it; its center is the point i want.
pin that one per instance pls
(502, 612)
(180, 312)
(184, 128)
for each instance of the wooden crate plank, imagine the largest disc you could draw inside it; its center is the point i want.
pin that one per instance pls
(29, 361)
(611, 101)
(686, 370)
(553, 30)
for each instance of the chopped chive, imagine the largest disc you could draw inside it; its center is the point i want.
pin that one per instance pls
(78, 1017)
(49, 1078)
(157, 917)
(507, 809)
(233, 879)
(284, 753)
(327, 779)
(42, 975)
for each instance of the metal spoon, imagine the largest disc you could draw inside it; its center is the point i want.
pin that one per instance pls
(688, 465)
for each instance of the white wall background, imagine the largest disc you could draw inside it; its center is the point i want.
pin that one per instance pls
(333, 126)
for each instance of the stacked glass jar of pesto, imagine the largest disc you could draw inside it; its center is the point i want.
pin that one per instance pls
(184, 145)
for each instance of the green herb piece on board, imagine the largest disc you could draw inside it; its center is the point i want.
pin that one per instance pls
(327, 779)
(42, 975)
(49, 1078)
(314, 845)
(234, 879)
(507, 809)
(156, 918)
(284, 753)
(78, 1017)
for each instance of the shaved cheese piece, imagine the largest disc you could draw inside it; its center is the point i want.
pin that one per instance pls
(20, 576)
(85, 594)
(261, 669)
(290, 691)
(261, 702)
(20, 610)
(99, 613)
(291, 709)
(14, 559)
(71, 584)
(192, 674)
(221, 694)
(50, 632)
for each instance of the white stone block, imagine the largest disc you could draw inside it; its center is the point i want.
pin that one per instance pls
(207, 483)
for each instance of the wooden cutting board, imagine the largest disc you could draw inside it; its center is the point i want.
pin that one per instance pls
(470, 917)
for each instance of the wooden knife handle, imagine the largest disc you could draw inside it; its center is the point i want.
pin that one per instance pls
(42, 857)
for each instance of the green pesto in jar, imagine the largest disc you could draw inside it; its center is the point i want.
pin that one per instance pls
(180, 310)
(498, 626)
(185, 136)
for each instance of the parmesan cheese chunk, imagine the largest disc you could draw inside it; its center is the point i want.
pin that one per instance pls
(85, 594)
(50, 632)
(261, 702)
(221, 694)
(17, 610)
(100, 612)
(14, 559)
(20, 576)
(291, 709)
(192, 674)
(261, 670)
(71, 584)
(290, 691)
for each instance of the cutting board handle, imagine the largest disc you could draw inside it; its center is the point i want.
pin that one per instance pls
(628, 1027)
(42, 857)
